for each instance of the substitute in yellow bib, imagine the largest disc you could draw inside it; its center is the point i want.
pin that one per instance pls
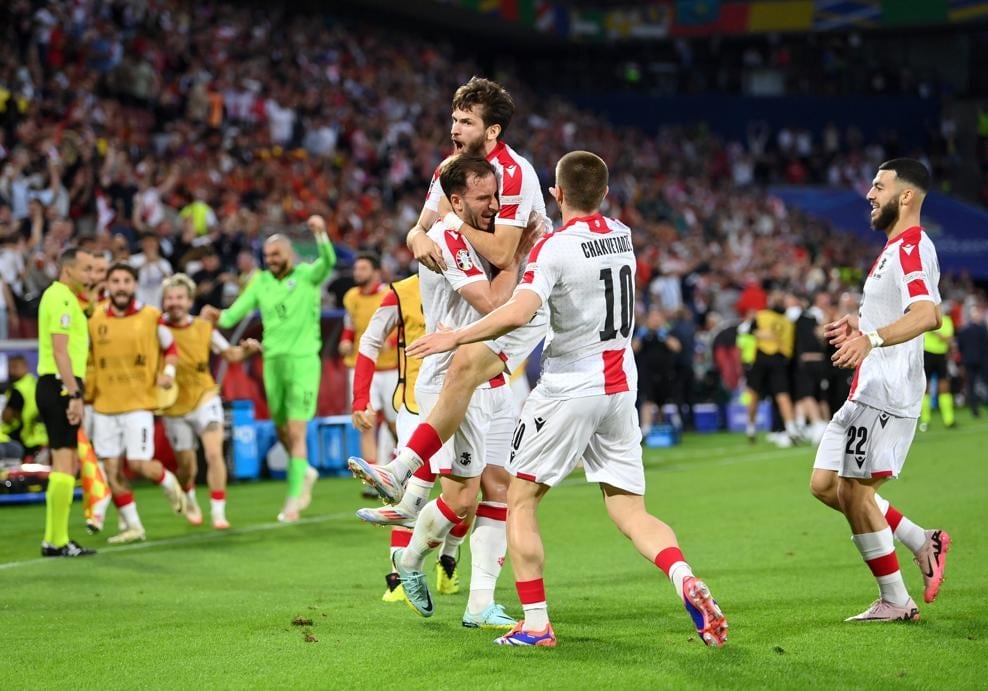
(63, 345)
(128, 346)
(21, 419)
(770, 372)
(936, 347)
(360, 303)
(197, 412)
(401, 311)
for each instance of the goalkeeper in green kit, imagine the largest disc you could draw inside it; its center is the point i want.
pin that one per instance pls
(288, 296)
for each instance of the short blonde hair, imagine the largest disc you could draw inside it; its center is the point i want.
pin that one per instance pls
(179, 281)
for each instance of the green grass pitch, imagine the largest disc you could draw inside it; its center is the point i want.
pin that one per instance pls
(195, 609)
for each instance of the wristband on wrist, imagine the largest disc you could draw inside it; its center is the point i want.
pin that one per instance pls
(452, 221)
(875, 340)
(169, 370)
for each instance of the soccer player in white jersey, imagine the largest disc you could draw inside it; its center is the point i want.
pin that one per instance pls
(481, 111)
(459, 295)
(867, 441)
(584, 403)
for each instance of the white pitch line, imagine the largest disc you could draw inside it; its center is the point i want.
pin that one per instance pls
(183, 539)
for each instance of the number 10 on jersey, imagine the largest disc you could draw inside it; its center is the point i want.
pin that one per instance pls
(627, 302)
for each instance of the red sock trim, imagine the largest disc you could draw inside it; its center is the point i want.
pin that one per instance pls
(531, 592)
(425, 473)
(425, 441)
(447, 512)
(893, 517)
(667, 557)
(218, 496)
(164, 474)
(460, 529)
(884, 566)
(400, 537)
(496, 513)
(122, 500)
(190, 487)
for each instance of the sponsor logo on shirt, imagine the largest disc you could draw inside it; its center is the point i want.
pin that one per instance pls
(908, 249)
(510, 170)
(65, 321)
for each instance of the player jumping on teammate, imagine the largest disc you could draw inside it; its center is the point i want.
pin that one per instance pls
(584, 404)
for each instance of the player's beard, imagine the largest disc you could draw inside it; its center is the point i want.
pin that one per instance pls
(479, 222)
(887, 216)
(121, 301)
(474, 148)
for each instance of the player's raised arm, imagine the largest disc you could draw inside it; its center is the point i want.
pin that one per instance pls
(324, 264)
(245, 303)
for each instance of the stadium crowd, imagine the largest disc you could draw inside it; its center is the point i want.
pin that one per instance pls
(176, 136)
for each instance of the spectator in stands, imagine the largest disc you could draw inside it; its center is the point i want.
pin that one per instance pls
(211, 281)
(152, 269)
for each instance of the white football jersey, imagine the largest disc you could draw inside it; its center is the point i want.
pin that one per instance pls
(519, 191)
(585, 273)
(907, 271)
(441, 300)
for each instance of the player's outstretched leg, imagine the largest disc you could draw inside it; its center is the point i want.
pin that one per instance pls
(929, 547)
(472, 365)
(656, 541)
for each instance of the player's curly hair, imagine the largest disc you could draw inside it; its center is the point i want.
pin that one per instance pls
(497, 106)
(179, 281)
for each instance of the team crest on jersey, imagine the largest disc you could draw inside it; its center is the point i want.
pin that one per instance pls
(290, 284)
(463, 260)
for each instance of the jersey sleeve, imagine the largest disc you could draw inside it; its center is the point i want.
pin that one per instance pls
(519, 189)
(541, 272)
(382, 322)
(435, 194)
(920, 273)
(462, 267)
(59, 313)
(245, 303)
(166, 340)
(218, 343)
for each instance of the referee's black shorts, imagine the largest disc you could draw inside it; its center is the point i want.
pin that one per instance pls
(53, 402)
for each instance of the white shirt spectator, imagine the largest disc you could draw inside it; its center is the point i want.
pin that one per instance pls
(149, 278)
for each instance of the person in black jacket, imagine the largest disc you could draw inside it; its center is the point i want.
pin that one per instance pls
(972, 342)
(655, 354)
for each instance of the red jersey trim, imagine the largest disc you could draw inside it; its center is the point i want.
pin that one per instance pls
(389, 300)
(457, 246)
(592, 220)
(615, 380)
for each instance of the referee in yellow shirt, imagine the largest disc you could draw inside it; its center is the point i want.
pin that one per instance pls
(63, 347)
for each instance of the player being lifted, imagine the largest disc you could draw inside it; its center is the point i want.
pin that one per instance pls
(288, 296)
(481, 111)
(197, 411)
(458, 296)
(866, 442)
(127, 344)
(584, 403)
